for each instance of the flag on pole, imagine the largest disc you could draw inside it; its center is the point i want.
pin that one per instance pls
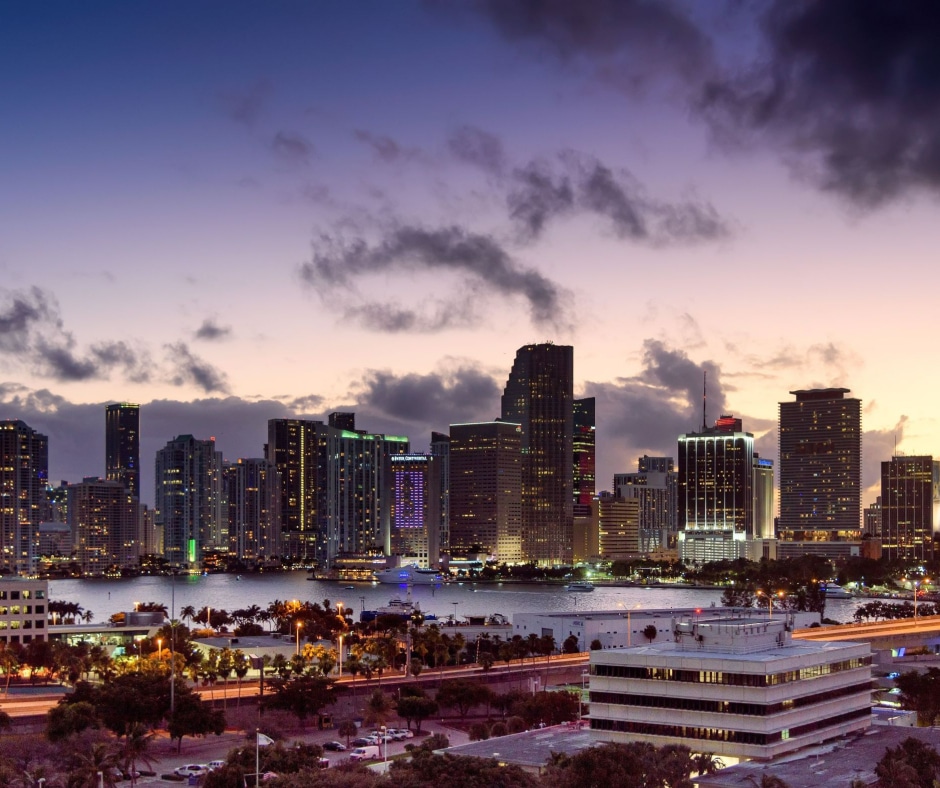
(264, 741)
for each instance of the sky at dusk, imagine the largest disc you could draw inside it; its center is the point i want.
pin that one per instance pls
(229, 212)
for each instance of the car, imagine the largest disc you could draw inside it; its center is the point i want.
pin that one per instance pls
(213, 765)
(405, 733)
(335, 746)
(395, 734)
(190, 769)
(362, 741)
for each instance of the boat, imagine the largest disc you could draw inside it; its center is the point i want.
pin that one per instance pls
(403, 608)
(835, 591)
(412, 575)
(580, 585)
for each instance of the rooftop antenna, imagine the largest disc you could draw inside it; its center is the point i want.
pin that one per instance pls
(704, 399)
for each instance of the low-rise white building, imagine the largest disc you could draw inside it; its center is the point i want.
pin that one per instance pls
(732, 686)
(625, 627)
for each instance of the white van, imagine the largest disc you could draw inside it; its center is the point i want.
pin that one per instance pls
(368, 753)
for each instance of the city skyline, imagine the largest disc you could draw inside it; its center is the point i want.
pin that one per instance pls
(286, 212)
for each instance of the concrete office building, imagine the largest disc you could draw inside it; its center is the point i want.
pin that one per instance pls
(24, 609)
(122, 446)
(538, 396)
(820, 474)
(618, 527)
(733, 687)
(24, 474)
(103, 520)
(189, 501)
(910, 507)
(715, 492)
(486, 489)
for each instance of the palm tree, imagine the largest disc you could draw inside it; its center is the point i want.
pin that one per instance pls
(188, 613)
(134, 750)
(706, 763)
(241, 667)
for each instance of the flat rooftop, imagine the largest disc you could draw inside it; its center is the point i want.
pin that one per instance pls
(832, 765)
(532, 749)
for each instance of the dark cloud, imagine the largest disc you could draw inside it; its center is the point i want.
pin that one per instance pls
(60, 363)
(384, 147)
(292, 148)
(852, 91)
(575, 182)
(246, 107)
(391, 318)
(480, 148)
(211, 330)
(188, 368)
(436, 399)
(538, 196)
(20, 313)
(32, 332)
(480, 260)
(629, 44)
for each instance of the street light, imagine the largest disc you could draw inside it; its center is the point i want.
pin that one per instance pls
(299, 625)
(385, 742)
(770, 601)
(455, 611)
(340, 660)
(159, 647)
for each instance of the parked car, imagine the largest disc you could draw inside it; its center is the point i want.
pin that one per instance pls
(190, 769)
(405, 733)
(213, 765)
(368, 753)
(335, 746)
(362, 741)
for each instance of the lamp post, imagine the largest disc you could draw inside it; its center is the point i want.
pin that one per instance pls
(159, 648)
(770, 602)
(385, 743)
(299, 625)
(455, 611)
(340, 659)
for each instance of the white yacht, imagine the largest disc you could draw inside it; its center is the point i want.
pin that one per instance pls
(580, 585)
(413, 575)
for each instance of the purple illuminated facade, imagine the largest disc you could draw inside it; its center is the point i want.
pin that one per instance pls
(415, 509)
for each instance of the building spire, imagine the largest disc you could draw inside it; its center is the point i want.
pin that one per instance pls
(704, 400)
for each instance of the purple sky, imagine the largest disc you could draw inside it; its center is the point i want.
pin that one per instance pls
(229, 212)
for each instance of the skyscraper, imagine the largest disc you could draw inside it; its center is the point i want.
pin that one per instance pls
(358, 483)
(299, 451)
(654, 485)
(715, 492)
(189, 502)
(253, 496)
(24, 474)
(414, 506)
(122, 446)
(820, 474)
(103, 521)
(440, 448)
(486, 489)
(584, 459)
(539, 397)
(910, 505)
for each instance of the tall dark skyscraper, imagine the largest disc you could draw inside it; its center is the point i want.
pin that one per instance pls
(299, 451)
(539, 397)
(910, 498)
(122, 446)
(584, 462)
(24, 474)
(486, 489)
(820, 474)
